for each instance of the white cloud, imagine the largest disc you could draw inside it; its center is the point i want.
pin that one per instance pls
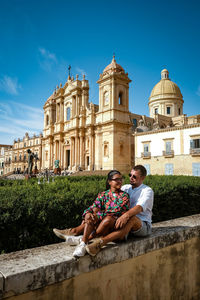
(9, 85)
(81, 71)
(198, 91)
(17, 118)
(47, 59)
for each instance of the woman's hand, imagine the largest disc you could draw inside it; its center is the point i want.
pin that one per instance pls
(121, 221)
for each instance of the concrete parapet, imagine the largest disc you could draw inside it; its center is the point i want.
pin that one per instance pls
(32, 269)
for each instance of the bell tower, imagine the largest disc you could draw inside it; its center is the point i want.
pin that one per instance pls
(114, 88)
(113, 119)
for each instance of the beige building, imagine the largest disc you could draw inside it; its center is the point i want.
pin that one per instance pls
(83, 135)
(172, 144)
(5, 160)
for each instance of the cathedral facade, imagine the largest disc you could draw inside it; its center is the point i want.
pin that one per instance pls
(82, 135)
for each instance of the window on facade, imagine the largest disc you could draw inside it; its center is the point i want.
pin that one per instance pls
(156, 111)
(179, 111)
(15, 158)
(195, 143)
(196, 169)
(147, 167)
(24, 144)
(20, 157)
(24, 156)
(106, 98)
(146, 148)
(68, 113)
(105, 150)
(168, 147)
(169, 169)
(30, 143)
(47, 120)
(120, 98)
(168, 110)
(36, 142)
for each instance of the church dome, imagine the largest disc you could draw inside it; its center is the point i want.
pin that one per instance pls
(166, 98)
(165, 87)
(113, 67)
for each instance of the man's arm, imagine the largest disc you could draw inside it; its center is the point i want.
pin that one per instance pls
(121, 221)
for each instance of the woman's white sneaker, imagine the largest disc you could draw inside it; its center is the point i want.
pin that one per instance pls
(80, 250)
(73, 240)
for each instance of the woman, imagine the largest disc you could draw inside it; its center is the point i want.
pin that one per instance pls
(99, 219)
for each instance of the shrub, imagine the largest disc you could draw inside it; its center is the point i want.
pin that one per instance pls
(29, 211)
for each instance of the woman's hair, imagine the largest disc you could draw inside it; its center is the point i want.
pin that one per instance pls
(110, 177)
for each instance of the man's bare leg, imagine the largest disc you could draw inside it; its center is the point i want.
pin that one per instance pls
(133, 224)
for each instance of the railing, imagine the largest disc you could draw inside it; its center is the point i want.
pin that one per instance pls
(168, 153)
(146, 154)
(195, 151)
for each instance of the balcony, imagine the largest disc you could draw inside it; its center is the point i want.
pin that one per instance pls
(168, 153)
(195, 151)
(146, 155)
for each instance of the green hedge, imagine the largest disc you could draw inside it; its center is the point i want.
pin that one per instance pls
(29, 211)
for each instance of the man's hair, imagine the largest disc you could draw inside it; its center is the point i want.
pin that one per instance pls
(143, 171)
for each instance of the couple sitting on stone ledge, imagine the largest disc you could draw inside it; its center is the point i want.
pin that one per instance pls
(116, 212)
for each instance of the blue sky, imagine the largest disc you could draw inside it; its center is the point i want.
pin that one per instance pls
(40, 38)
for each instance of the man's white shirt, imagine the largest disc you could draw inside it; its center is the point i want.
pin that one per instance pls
(143, 196)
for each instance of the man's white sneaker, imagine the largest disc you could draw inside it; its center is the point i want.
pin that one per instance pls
(73, 240)
(80, 249)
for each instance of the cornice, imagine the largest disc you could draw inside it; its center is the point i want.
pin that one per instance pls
(167, 129)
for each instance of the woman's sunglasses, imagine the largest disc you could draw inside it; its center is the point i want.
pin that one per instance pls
(117, 179)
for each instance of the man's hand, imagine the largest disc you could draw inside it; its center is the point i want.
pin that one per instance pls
(121, 221)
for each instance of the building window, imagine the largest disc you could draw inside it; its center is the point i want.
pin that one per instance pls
(20, 157)
(24, 157)
(106, 98)
(68, 113)
(120, 98)
(47, 120)
(156, 111)
(168, 147)
(179, 111)
(36, 142)
(169, 169)
(168, 110)
(146, 148)
(24, 144)
(196, 169)
(15, 158)
(147, 167)
(106, 150)
(195, 144)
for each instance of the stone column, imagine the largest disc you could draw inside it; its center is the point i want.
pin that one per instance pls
(81, 151)
(71, 151)
(76, 151)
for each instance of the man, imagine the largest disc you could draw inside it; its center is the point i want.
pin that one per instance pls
(137, 220)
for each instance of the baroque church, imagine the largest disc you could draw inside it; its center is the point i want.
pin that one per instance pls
(82, 135)
(86, 136)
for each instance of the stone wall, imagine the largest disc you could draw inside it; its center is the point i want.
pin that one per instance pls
(165, 265)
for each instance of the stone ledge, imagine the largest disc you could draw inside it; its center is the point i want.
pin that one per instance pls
(35, 268)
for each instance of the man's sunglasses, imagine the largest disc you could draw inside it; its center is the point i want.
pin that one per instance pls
(132, 176)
